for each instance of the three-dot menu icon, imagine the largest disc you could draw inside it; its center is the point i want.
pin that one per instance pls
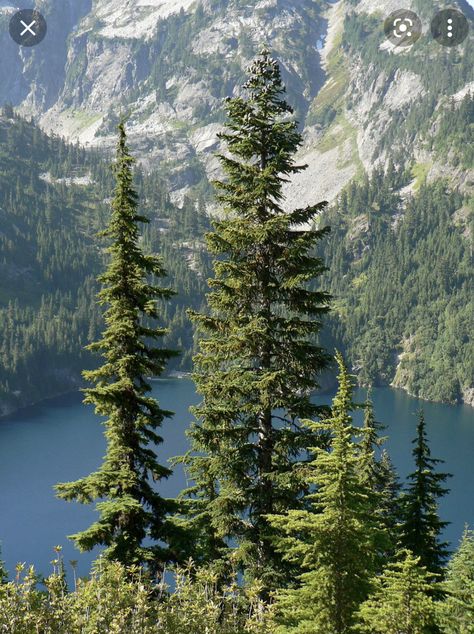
(449, 27)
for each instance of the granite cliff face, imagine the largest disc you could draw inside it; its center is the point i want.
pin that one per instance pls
(363, 104)
(168, 63)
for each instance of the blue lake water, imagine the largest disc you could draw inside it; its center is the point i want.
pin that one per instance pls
(61, 440)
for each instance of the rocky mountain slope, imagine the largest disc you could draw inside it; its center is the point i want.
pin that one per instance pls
(53, 202)
(168, 63)
(363, 104)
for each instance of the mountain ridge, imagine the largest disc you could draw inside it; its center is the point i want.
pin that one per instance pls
(364, 108)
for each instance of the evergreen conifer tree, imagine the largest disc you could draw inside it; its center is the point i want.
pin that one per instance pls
(456, 612)
(421, 526)
(389, 501)
(401, 602)
(259, 359)
(335, 541)
(130, 508)
(371, 442)
(380, 476)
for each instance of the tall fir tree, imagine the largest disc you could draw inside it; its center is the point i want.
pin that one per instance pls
(130, 509)
(421, 527)
(401, 602)
(336, 540)
(389, 501)
(378, 473)
(456, 612)
(371, 442)
(259, 359)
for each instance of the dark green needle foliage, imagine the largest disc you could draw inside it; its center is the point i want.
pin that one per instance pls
(421, 526)
(370, 445)
(379, 474)
(258, 359)
(336, 540)
(456, 612)
(389, 501)
(130, 509)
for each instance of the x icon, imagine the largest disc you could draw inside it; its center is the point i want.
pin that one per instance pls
(28, 28)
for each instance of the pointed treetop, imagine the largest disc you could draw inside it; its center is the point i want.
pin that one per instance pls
(401, 599)
(265, 82)
(343, 399)
(422, 529)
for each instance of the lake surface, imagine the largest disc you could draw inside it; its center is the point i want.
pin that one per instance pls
(61, 440)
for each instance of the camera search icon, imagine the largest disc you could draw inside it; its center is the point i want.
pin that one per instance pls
(403, 28)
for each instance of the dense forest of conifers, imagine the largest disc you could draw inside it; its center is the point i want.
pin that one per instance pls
(419, 247)
(49, 259)
(412, 330)
(295, 520)
(403, 285)
(401, 253)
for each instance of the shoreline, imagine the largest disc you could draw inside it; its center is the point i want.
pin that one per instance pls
(180, 375)
(175, 374)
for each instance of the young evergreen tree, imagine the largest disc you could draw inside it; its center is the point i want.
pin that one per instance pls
(421, 526)
(336, 540)
(371, 442)
(378, 473)
(456, 612)
(401, 602)
(258, 360)
(130, 508)
(389, 501)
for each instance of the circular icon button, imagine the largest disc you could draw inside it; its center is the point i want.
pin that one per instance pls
(28, 27)
(449, 27)
(403, 27)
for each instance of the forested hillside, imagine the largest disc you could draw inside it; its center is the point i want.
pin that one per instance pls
(53, 201)
(401, 275)
(400, 258)
(293, 519)
(387, 135)
(401, 255)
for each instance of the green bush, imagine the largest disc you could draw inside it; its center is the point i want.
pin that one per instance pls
(119, 600)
